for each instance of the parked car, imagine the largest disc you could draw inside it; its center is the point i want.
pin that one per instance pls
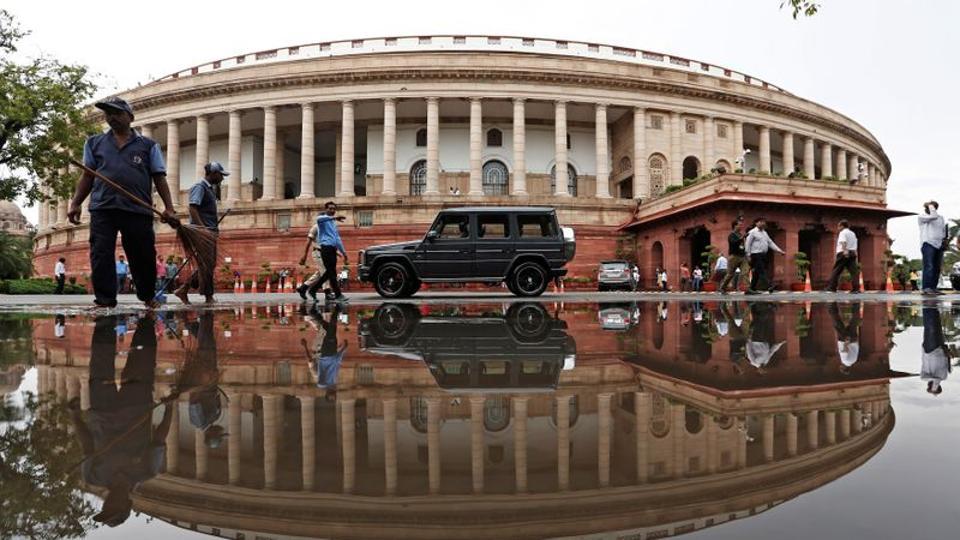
(615, 274)
(523, 349)
(955, 276)
(525, 247)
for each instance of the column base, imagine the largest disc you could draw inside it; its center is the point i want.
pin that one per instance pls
(475, 194)
(346, 194)
(388, 193)
(303, 197)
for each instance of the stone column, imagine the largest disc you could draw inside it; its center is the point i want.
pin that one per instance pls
(476, 442)
(845, 424)
(871, 174)
(738, 141)
(235, 136)
(520, 442)
(678, 432)
(203, 145)
(433, 444)
(348, 438)
(768, 437)
(519, 187)
(603, 158)
(173, 439)
(173, 158)
(433, 147)
(560, 149)
(308, 439)
(765, 162)
(641, 176)
(841, 164)
(200, 454)
(852, 172)
(84, 394)
(346, 151)
(813, 430)
(826, 160)
(604, 430)
(792, 429)
(389, 147)
(390, 444)
(281, 165)
(809, 166)
(234, 437)
(307, 165)
(269, 154)
(563, 442)
(146, 130)
(62, 205)
(709, 143)
(787, 151)
(476, 147)
(676, 150)
(271, 423)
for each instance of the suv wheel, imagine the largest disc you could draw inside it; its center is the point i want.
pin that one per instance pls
(393, 280)
(529, 279)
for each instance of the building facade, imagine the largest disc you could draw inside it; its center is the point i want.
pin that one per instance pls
(395, 129)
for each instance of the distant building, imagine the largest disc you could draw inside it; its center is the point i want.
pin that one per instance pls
(12, 220)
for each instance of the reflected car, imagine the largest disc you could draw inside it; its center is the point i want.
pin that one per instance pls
(524, 349)
(614, 275)
(617, 317)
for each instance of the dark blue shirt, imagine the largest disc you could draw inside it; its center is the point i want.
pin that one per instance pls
(131, 166)
(328, 369)
(328, 234)
(203, 197)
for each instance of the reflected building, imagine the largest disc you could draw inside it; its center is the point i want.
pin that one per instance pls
(433, 424)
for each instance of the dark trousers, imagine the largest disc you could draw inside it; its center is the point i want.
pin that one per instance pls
(846, 332)
(932, 329)
(734, 262)
(204, 284)
(328, 254)
(136, 232)
(136, 379)
(61, 281)
(842, 263)
(932, 261)
(758, 265)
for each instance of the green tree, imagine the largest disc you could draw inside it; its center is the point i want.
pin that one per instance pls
(43, 121)
(15, 253)
(807, 8)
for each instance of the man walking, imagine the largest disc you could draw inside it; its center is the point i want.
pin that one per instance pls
(60, 273)
(203, 212)
(122, 270)
(846, 258)
(330, 245)
(312, 247)
(136, 163)
(933, 235)
(720, 269)
(737, 256)
(758, 245)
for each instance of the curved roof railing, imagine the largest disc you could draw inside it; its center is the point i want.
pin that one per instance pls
(472, 43)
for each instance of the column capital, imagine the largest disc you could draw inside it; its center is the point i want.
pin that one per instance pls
(173, 122)
(560, 101)
(433, 100)
(346, 102)
(306, 400)
(639, 109)
(475, 98)
(519, 99)
(307, 105)
(601, 105)
(389, 100)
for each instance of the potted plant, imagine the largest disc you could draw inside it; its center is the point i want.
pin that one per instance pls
(802, 264)
(711, 255)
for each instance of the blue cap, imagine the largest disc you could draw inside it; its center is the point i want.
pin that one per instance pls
(114, 103)
(215, 167)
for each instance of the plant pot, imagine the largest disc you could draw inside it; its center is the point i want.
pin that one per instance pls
(796, 287)
(710, 286)
(846, 286)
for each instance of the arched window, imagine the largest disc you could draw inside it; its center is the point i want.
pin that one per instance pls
(496, 414)
(723, 167)
(659, 174)
(624, 165)
(418, 177)
(659, 420)
(571, 180)
(691, 168)
(422, 137)
(495, 178)
(693, 420)
(495, 138)
(418, 414)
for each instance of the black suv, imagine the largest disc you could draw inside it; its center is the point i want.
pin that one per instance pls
(522, 246)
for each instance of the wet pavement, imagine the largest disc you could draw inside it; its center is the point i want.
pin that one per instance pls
(625, 418)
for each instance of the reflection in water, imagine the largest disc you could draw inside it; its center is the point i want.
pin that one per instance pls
(419, 418)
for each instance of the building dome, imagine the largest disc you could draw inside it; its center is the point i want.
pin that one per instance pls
(12, 220)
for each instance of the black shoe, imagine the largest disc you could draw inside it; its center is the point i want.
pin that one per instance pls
(302, 291)
(751, 291)
(313, 294)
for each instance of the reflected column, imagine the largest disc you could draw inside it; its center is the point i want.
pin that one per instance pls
(390, 444)
(200, 455)
(271, 406)
(641, 409)
(563, 442)
(433, 444)
(679, 431)
(813, 431)
(742, 442)
(173, 438)
(793, 426)
(768, 434)
(845, 424)
(603, 437)
(476, 441)
(308, 441)
(234, 438)
(830, 419)
(348, 436)
(520, 442)
(857, 423)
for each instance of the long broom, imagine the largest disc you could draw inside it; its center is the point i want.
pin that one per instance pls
(198, 243)
(170, 279)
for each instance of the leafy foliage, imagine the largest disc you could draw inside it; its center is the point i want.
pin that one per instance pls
(43, 122)
(15, 253)
(37, 286)
(806, 8)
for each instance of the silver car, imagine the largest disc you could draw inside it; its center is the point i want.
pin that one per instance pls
(615, 274)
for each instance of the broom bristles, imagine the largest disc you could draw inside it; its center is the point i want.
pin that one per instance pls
(200, 246)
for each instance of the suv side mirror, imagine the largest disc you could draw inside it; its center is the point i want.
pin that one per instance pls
(432, 235)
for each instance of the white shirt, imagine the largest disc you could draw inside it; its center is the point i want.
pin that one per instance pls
(697, 273)
(760, 242)
(59, 269)
(932, 228)
(721, 264)
(59, 330)
(723, 327)
(760, 352)
(934, 365)
(848, 236)
(848, 357)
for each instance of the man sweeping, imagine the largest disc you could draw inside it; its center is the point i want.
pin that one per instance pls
(203, 212)
(135, 163)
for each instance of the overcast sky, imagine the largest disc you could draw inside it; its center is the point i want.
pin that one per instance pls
(891, 65)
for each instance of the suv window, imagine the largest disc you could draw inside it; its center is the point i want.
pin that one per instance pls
(453, 226)
(541, 225)
(493, 226)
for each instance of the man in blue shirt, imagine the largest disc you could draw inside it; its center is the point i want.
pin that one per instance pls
(327, 355)
(203, 212)
(122, 269)
(134, 162)
(328, 238)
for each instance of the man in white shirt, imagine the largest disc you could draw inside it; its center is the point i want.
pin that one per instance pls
(848, 335)
(312, 242)
(933, 232)
(934, 360)
(720, 269)
(846, 258)
(758, 246)
(60, 273)
(761, 346)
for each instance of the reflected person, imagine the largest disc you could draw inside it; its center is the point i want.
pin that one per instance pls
(738, 330)
(120, 445)
(935, 360)
(848, 335)
(760, 346)
(200, 378)
(327, 354)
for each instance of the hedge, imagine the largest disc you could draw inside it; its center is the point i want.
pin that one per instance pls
(37, 286)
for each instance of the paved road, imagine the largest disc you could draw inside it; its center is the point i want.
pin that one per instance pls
(47, 302)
